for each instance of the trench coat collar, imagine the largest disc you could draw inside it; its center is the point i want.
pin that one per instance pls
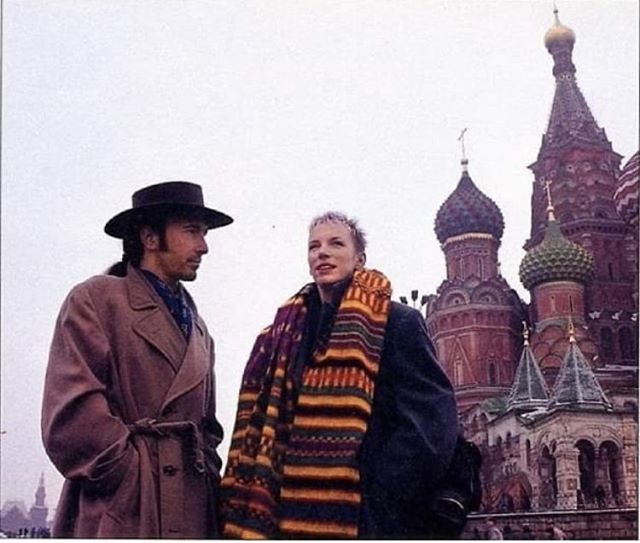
(156, 326)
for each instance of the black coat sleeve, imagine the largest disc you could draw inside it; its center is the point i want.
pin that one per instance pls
(413, 427)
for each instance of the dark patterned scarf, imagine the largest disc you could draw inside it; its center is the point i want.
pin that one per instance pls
(292, 469)
(176, 302)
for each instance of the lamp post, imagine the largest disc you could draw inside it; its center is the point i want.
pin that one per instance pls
(414, 300)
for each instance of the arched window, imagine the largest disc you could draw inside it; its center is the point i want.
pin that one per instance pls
(627, 344)
(492, 374)
(548, 481)
(586, 465)
(606, 344)
(611, 461)
(454, 299)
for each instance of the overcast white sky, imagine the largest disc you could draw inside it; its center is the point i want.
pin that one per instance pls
(281, 110)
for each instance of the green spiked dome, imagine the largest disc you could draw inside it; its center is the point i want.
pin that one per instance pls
(555, 259)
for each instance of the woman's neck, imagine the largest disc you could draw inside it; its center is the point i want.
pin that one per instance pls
(332, 293)
(326, 293)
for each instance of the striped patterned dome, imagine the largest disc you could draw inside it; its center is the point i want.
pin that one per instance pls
(626, 195)
(468, 210)
(555, 258)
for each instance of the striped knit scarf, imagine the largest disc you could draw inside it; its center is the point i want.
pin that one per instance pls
(292, 469)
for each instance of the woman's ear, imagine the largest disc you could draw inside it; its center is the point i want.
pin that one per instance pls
(361, 260)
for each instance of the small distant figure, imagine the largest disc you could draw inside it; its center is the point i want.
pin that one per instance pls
(526, 532)
(509, 532)
(556, 533)
(493, 532)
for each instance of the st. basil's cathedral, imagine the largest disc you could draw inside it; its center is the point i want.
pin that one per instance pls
(548, 390)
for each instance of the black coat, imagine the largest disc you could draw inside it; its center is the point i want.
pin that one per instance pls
(411, 434)
(413, 426)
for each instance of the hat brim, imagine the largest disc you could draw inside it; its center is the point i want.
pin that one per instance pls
(119, 226)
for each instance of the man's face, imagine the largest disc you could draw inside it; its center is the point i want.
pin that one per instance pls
(179, 257)
(332, 254)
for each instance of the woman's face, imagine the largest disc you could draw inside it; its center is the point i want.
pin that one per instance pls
(332, 254)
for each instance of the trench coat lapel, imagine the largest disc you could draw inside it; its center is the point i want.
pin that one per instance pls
(195, 365)
(154, 324)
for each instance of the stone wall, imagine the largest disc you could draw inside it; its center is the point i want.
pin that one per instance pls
(595, 524)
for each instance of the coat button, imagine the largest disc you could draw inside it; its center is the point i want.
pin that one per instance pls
(169, 471)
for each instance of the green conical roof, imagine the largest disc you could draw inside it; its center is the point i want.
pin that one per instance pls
(576, 385)
(528, 391)
(555, 258)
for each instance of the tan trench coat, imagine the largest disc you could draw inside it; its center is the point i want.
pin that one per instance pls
(129, 415)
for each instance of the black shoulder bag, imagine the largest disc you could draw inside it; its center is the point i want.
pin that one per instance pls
(459, 493)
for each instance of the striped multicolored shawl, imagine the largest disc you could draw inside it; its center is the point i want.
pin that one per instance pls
(292, 469)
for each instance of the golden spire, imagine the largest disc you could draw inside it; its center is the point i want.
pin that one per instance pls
(525, 333)
(572, 331)
(464, 161)
(546, 183)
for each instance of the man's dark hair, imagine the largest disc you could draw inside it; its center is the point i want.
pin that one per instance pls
(132, 248)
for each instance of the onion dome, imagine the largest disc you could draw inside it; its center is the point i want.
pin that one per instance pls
(559, 35)
(555, 258)
(626, 194)
(468, 210)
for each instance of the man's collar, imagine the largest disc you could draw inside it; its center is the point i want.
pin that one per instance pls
(177, 290)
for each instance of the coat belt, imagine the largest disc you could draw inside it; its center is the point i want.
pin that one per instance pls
(186, 430)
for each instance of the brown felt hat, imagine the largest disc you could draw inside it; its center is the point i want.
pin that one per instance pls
(181, 196)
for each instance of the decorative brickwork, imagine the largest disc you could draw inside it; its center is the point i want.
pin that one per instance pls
(606, 524)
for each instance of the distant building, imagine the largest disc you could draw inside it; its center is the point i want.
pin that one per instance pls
(15, 517)
(553, 405)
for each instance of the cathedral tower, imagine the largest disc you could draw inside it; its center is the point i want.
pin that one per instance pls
(39, 510)
(555, 272)
(577, 156)
(475, 316)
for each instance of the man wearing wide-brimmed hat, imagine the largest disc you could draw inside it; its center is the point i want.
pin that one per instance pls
(129, 403)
